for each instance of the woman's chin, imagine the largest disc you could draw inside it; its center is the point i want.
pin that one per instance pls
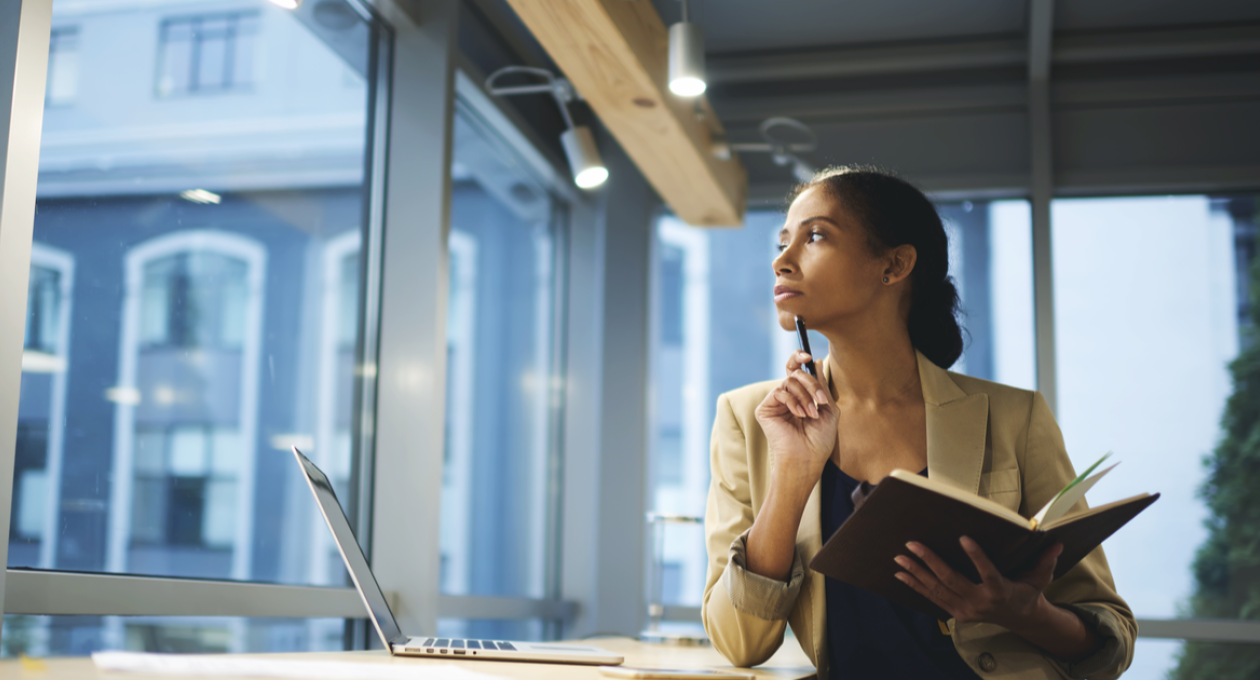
(787, 319)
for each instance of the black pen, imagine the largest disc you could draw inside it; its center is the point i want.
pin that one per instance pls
(802, 339)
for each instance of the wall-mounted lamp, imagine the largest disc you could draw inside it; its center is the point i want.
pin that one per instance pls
(781, 152)
(578, 142)
(686, 57)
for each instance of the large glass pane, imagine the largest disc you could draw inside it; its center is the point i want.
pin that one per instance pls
(501, 377)
(195, 294)
(1148, 315)
(711, 299)
(38, 636)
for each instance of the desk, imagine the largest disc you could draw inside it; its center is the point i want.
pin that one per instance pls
(790, 663)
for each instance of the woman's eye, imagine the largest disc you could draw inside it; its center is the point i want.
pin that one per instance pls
(815, 236)
(781, 247)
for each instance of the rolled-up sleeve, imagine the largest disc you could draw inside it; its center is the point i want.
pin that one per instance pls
(763, 597)
(744, 614)
(1111, 650)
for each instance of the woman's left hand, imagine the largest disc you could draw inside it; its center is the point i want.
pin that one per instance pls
(1010, 603)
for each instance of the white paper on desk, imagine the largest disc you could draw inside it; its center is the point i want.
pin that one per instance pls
(210, 664)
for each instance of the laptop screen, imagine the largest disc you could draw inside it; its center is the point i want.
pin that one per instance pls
(386, 626)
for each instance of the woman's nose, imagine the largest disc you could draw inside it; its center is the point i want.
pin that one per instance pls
(782, 264)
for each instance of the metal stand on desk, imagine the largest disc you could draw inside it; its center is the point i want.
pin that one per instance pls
(656, 599)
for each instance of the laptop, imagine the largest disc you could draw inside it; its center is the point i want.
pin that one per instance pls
(383, 618)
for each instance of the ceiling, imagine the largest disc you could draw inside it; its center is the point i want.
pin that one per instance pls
(1146, 95)
(757, 25)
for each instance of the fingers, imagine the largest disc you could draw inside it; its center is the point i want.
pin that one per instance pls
(952, 579)
(801, 392)
(795, 363)
(988, 572)
(790, 401)
(919, 587)
(927, 584)
(796, 360)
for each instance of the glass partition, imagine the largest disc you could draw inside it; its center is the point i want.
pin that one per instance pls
(504, 380)
(1152, 305)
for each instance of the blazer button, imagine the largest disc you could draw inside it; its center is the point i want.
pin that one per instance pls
(987, 663)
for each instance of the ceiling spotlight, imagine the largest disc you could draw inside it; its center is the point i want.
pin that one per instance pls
(686, 57)
(578, 142)
(782, 151)
(287, 4)
(579, 146)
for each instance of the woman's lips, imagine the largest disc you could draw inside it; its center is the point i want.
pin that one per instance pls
(782, 293)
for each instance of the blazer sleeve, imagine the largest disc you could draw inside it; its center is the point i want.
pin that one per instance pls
(745, 614)
(1087, 589)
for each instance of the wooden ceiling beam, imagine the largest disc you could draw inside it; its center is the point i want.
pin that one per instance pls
(615, 53)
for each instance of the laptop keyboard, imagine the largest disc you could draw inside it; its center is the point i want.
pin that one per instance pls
(458, 646)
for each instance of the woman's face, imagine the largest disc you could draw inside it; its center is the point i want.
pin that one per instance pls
(825, 271)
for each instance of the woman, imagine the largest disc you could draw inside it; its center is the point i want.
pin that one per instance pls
(863, 259)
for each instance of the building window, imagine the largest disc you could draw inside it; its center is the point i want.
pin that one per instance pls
(191, 327)
(63, 67)
(207, 54)
(40, 427)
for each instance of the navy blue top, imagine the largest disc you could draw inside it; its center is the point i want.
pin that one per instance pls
(868, 636)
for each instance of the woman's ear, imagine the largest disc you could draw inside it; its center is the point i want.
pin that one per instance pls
(899, 262)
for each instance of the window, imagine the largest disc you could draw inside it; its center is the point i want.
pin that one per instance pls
(63, 67)
(1148, 315)
(207, 54)
(502, 381)
(40, 417)
(711, 299)
(196, 303)
(185, 424)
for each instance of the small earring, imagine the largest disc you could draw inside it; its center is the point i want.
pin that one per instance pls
(885, 279)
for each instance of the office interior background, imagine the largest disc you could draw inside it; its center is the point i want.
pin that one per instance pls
(257, 228)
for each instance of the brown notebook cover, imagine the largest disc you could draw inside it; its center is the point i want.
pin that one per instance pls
(861, 551)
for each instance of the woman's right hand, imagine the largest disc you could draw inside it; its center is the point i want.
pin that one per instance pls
(800, 423)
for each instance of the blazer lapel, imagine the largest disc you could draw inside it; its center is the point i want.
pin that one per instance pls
(957, 424)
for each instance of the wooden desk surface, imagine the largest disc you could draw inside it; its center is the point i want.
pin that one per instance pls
(790, 663)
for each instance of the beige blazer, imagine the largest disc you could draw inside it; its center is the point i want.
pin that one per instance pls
(996, 441)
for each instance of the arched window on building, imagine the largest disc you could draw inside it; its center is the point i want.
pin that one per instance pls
(41, 414)
(185, 431)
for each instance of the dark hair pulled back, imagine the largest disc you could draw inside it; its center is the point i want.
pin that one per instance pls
(895, 213)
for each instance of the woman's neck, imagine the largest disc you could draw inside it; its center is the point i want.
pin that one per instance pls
(873, 368)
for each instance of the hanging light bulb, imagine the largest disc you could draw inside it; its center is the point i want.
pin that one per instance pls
(578, 142)
(579, 146)
(686, 57)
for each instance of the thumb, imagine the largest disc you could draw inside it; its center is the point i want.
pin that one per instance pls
(1041, 575)
(1045, 566)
